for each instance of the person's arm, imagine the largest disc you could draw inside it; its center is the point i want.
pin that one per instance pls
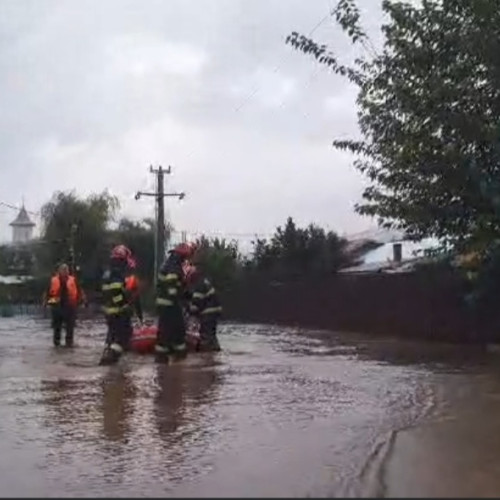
(81, 294)
(197, 298)
(46, 295)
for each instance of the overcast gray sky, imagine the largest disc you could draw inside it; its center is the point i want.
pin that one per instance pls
(92, 92)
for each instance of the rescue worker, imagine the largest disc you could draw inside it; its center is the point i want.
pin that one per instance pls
(205, 305)
(63, 297)
(117, 305)
(170, 295)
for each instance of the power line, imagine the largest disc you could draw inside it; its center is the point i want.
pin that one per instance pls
(278, 66)
(275, 70)
(223, 234)
(14, 207)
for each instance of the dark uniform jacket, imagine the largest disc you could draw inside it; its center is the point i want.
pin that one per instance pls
(203, 298)
(115, 296)
(170, 283)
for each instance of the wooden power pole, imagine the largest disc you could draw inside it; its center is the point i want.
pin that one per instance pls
(160, 195)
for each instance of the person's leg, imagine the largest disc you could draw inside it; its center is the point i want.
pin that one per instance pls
(208, 333)
(113, 349)
(57, 321)
(70, 320)
(162, 339)
(125, 331)
(177, 340)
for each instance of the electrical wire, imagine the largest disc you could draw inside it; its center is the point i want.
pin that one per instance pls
(14, 207)
(278, 66)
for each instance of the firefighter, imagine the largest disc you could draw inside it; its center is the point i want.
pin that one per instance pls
(170, 295)
(204, 304)
(118, 303)
(63, 297)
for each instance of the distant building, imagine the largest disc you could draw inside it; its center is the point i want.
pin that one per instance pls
(22, 228)
(390, 252)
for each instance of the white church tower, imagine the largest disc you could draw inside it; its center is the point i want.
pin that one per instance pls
(22, 227)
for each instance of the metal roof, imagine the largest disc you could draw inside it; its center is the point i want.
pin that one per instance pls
(22, 219)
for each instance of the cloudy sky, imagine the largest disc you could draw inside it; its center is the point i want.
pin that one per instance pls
(93, 92)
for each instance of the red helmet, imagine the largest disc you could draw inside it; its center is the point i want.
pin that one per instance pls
(185, 250)
(121, 252)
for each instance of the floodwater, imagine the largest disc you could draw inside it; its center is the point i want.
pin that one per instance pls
(280, 412)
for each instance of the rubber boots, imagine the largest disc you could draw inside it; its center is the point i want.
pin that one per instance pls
(111, 354)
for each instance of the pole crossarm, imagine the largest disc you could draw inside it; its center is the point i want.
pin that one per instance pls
(156, 195)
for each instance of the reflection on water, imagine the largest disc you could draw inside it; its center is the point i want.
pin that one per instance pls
(280, 412)
(118, 393)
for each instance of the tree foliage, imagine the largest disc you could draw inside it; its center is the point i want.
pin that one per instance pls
(84, 224)
(429, 114)
(220, 260)
(140, 238)
(17, 260)
(72, 222)
(294, 251)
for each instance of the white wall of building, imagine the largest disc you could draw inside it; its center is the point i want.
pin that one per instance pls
(386, 252)
(22, 234)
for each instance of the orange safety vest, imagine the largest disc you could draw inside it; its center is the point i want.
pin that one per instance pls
(55, 290)
(132, 284)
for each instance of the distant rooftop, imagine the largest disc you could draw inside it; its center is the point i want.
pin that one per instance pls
(22, 219)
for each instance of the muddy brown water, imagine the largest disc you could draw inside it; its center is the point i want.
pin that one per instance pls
(280, 412)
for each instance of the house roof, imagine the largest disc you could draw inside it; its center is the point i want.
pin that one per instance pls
(22, 219)
(381, 259)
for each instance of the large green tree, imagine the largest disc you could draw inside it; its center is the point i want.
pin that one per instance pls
(429, 114)
(77, 227)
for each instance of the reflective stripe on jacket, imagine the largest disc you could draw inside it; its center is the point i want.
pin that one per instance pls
(204, 299)
(115, 295)
(170, 283)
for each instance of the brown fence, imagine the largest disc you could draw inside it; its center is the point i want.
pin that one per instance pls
(419, 305)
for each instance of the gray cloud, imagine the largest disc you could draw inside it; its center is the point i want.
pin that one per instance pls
(93, 92)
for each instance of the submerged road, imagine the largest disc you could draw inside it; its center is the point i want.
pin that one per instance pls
(280, 412)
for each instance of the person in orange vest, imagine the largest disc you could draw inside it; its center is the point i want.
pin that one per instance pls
(63, 296)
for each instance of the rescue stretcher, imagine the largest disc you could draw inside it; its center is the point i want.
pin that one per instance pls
(144, 337)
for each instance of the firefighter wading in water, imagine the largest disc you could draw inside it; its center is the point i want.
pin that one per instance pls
(119, 298)
(170, 294)
(204, 304)
(63, 297)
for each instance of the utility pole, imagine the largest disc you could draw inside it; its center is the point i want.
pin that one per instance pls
(160, 195)
(72, 258)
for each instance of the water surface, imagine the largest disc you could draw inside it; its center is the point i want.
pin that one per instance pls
(280, 412)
